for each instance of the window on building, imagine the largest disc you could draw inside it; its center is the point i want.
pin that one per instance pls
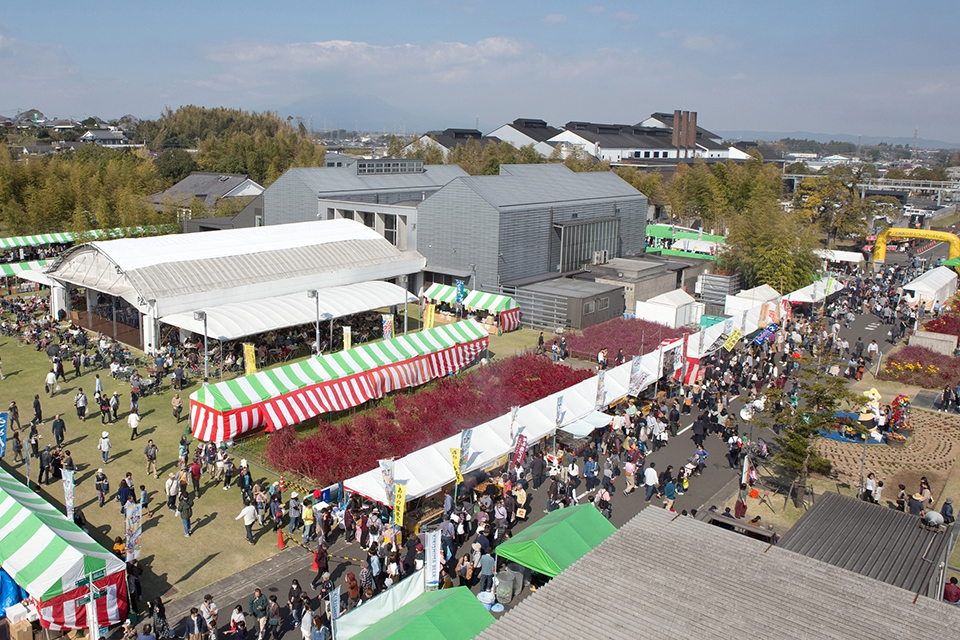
(588, 308)
(390, 229)
(258, 221)
(604, 304)
(368, 218)
(646, 154)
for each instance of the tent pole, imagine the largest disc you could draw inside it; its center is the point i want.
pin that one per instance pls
(331, 338)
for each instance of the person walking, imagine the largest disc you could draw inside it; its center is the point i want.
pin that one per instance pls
(177, 404)
(651, 482)
(13, 415)
(46, 466)
(273, 619)
(37, 410)
(115, 405)
(80, 402)
(102, 485)
(185, 507)
(17, 448)
(258, 607)
(50, 382)
(150, 455)
(133, 421)
(249, 515)
(59, 429)
(158, 613)
(104, 446)
(487, 566)
(196, 626)
(172, 489)
(105, 410)
(295, 601)
(209, 612)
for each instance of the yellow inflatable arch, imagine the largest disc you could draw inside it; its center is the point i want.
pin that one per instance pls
(880, 246)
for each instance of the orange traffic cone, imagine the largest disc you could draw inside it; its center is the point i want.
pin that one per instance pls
(283, 485)
(315, 567)
(280, 543)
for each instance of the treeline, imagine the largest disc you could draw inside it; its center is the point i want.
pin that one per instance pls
(261, 145)
(93, 188)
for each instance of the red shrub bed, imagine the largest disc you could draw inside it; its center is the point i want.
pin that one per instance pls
(418, 419)
(921, 367)
(948, 323)
(636, 337)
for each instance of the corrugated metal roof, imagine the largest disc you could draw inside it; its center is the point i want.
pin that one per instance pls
(530, 186)
(668, 576)
(883, 544)
(323, 180)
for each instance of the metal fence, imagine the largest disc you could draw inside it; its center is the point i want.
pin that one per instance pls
(544, 311)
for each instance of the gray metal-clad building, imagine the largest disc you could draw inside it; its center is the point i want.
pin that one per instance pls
(874, 541)
(663, 575)
(528, 221)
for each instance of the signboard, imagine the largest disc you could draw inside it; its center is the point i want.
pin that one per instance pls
(428, 313)
(455, 458)
(601, 390)
(335, 603)
(678, 357)
(92, 577)
(249, 358)
(84, 600)
(733, 340)
(347, 338)
(68, 488)
(387, 321)
(4, 419)
(766, 334)
(399, 502)
(559, 411)
(638, 378)
(465, 436)
(514, 412)
(432, 559)
(461, 291)
(520, 451)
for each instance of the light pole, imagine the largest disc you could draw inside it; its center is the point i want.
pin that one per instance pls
(312, 293)
(202, 315)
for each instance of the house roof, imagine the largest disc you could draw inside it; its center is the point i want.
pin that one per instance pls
(209, 187)
(538, 184)
(884, 544)
(534, 128)
(104, 134)
(709, 582)
(618, 136)
(667, 119)
(332, 180)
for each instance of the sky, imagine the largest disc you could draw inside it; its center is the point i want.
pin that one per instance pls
(873, 68)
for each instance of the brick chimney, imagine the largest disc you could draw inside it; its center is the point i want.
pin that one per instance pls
(675, 139)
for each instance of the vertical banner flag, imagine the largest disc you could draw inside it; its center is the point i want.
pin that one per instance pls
(4, 420)
(461, 291)
(514, 411)
(520, 452)
(559, 411)
(347, 338)
(465, 436)
(601, 390)
(765, 334)
(733, 340)
(399, 501)
(134, 529)
(703, 337)
(335, 603)
(68, 487)
(387, 320)
(455, 458)
(678, 356)
(637, 377)
(428, 311)
(728, 326)
(743, 322)
(431, 559)
(249, 358)
(386, 471)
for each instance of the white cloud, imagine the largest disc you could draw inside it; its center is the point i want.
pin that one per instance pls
(555, 18)
(596, 9)
(626, 16)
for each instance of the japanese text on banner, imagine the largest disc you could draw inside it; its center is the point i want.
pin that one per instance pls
(732, 341)
(455, 458)
(399, 502)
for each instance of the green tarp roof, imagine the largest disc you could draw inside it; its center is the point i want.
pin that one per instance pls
(42, 550)
(447, 614)
(557, 540)
(273, 383)
(13, 268)
(667, 231)
(97, 234)
(441, 292)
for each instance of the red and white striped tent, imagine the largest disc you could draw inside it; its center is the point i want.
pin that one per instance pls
(48, 555)
(506, 306)
(294, 393)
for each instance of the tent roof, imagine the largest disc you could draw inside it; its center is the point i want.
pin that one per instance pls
(16, 268)
(668, 231)
(816, 291)
(675, 298)
(169, 266)
(932, 281)
(447, 614)
(67, 237)
(489, 301)
(557, 540)
(272, 383)
(762, 293)
(587, 424)
(833, 255)
(441, 292)
(239, 319)
(42, 550)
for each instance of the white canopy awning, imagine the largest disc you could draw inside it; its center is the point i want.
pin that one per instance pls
(35, 276)
(832, 255)
(239, 319)
(815, 292)
(935, 285)
(587, 424)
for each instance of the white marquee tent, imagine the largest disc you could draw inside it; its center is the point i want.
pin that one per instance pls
(936, 285)
(674, 309)
(748, 299)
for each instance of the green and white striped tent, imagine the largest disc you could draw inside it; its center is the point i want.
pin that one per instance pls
(67, 237)
(441, 292)
(47, 554)
(15, 268)
(288, 395)
(489, 302)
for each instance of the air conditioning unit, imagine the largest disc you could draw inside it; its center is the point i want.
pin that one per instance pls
(600, 257)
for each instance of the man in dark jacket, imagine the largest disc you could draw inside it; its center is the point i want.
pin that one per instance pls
(537, 468)
(185, 507)
(46, 466)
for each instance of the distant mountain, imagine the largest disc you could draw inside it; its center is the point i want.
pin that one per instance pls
(772, 136)
(366, 113)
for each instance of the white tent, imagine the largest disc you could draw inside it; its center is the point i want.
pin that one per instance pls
(749, 298)
(936, 285)
(832, 255)
(674, 309)
(815, 292)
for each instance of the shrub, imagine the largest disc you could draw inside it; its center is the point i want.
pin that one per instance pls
(922, 367)
(636, 337)
(418, 419)
(948, 323)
